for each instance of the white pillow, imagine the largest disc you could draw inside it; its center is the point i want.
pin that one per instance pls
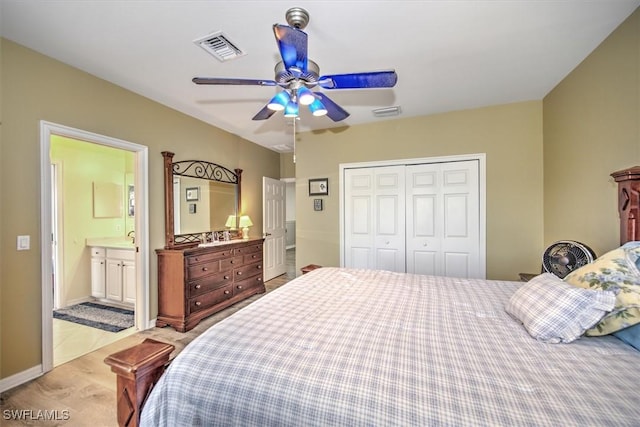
(553, 311)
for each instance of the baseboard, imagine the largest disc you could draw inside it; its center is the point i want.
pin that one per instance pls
(20, 378)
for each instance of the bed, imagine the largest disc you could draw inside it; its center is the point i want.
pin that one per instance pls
(351, 347)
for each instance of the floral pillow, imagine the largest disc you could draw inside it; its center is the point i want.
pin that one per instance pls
(615, 271)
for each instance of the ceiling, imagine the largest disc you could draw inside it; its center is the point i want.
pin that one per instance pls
(449, 55)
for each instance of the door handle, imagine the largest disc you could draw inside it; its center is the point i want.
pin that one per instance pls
(267, 234)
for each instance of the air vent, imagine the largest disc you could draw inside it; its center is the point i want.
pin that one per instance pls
(219, 45)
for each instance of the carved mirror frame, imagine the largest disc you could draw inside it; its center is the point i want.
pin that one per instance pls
(194, 169)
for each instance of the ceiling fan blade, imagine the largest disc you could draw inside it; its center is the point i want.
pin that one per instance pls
(292, 44)
(334, 111)
(373, 79)
(232, 81)
(264, 114)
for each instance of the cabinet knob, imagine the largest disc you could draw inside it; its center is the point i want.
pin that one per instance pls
(205, 269)
(259, 279)
(239, 286)
(226, 277)
(231, 262)
(227, 292)
(198, 303)
(239, 273)
(253, 256)
(198, 286)
(259, 267)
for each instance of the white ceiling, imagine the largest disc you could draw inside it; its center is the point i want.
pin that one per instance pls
(449, 55)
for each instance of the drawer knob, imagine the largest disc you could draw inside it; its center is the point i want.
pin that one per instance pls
(196, 259)
(259, 267)
(239, 286)
(232, 262)
(198, 303)
(198, 286)
(226, 277)
(239, 273)
(205, 269)
(253, 256)
(259, 279)
(227, 292)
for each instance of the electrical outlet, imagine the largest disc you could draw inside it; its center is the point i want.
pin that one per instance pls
(24, 243)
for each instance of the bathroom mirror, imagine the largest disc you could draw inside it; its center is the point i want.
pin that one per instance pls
(200, 196)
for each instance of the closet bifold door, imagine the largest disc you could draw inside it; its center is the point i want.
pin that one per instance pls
(374, 230)
(442, 220)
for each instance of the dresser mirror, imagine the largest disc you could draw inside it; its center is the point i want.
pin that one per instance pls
(201, 198)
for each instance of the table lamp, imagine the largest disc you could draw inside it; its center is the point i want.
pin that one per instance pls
(245, 223)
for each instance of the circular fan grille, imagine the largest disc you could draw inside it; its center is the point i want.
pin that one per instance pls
(564, 256)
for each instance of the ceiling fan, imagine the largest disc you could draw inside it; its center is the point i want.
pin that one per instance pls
(298, 76)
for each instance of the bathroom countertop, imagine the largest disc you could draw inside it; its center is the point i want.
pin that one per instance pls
(111, 242)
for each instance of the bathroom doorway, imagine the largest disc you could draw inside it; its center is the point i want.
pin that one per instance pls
(68, 255)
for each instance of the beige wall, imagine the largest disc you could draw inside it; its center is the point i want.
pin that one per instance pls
(36, 88)
(511, 137)
(591, 128)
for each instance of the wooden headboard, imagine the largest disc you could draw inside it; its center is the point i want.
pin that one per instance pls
(628, 203)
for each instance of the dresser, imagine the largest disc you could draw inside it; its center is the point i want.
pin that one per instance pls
(194, 283)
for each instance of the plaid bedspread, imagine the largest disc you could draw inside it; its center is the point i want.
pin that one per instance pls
(341, 347)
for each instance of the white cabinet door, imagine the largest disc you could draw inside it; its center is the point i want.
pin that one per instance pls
(114, 279)
(129, 281)
(98, 277)
(443, 229)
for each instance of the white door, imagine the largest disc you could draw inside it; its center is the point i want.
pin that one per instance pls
(374, 219)
(443, 229)
(273, 226)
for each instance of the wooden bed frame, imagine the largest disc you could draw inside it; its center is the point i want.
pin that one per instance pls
(138, 368)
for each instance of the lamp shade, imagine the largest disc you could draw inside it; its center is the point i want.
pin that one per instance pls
(317, 108)
(291, 110)
(245, 221)
(231, 221)
(305, 96)
(279, 101)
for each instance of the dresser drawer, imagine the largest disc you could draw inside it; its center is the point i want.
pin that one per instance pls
(247, 284)
(209, 283)
(208, 257)
(248, 270)
(251, 258)
(209, 299)
(204, 269)
(249, 249)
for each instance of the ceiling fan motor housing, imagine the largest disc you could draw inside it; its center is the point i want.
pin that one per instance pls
(297, 17)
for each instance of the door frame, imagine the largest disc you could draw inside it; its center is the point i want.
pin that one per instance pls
(47, 129)
(269, 249)
(482, 177)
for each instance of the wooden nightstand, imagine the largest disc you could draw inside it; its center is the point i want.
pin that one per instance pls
(309, 268)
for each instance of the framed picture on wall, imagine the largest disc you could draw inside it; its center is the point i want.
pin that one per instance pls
(192, 194)
(319, 187)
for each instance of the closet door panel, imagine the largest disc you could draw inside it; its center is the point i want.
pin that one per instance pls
(389, 213)
(358, 221)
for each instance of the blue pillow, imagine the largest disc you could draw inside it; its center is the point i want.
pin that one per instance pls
(630, 335)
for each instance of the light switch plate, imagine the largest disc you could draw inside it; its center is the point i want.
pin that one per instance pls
(24, 243)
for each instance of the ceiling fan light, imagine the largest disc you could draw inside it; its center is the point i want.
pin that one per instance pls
(279, 101)
(291, 110)
(317, 108)
(305, 96)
